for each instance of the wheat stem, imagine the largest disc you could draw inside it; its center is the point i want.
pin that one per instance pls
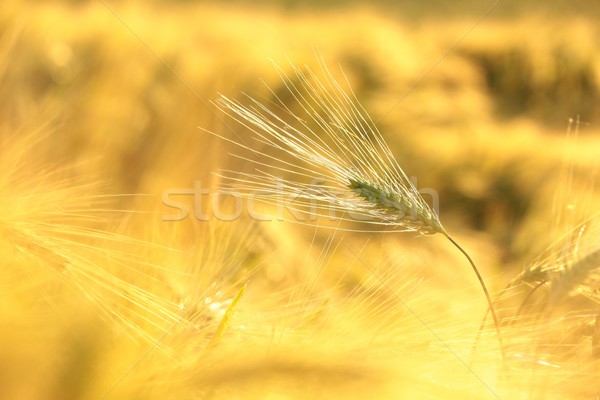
(485, 291)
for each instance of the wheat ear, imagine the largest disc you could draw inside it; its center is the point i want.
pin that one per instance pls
(330, 136)
(425, 222)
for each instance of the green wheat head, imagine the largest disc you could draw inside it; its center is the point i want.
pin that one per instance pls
(395, 203)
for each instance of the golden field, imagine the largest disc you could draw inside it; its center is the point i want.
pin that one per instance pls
(105, 108)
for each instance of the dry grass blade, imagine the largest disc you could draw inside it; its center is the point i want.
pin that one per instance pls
(327, 158)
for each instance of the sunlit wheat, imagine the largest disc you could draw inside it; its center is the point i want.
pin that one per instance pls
(332, 160)
(54, 220)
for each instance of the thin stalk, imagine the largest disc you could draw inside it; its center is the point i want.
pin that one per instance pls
(487, 295)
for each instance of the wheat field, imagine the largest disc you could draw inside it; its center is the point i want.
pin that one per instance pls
(129, 272)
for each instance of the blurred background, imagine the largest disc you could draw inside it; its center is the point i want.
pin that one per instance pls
(466, 92)
(493, 104)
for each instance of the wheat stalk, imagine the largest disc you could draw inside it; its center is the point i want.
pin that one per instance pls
(342, 167)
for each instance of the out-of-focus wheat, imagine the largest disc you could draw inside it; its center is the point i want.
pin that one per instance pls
(554, 330)
(54, 219)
